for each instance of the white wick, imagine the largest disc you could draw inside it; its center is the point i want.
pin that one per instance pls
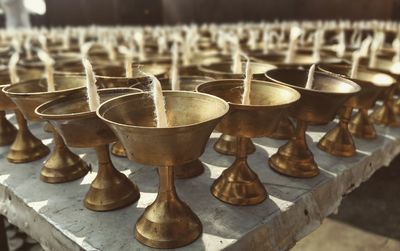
(376, 44)
(310, 78)
(12, 68)
(252, 41)
(110, 50)
(159, 102)
(247, 84)
(129, 54)
(28, 48)
(49, 68)
(43, 42)
(162, 44)
(341, 45)
(266, 41)
(236, 61)
(295, 32)
(365, 46)
(396, 47)
(318, 36)
(66, 39)
(85, 48)
(355, 63)
(91, 88)
(175, 83)
(139, 38)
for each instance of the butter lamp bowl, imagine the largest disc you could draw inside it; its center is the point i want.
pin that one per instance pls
(167, 222)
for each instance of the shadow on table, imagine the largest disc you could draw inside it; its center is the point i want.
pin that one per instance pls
(375, 205)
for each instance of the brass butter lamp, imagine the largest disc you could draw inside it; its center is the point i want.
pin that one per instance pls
(386, 113)
(302, 59)
(318, 105)
(80, 127)
(168, 222)
(114, 76)
(226, 144)
(238, 184)
(62, 165)
(339, 141)
(7, 130)
(25, 146)
(373, 83)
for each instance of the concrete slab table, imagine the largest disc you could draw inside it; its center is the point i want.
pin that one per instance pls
(54, 215)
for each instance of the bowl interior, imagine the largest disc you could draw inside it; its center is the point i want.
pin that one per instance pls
(137, 70)
(182, 108)
(40, 85)
(375, 77)
(226, 67)
(78, 104)
(187, 83)
(261, 94)
(324, 83)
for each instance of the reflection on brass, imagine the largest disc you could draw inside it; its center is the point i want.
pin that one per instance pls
(386, 114)
(168, 222)
(26, 147)
(81, 128)
(7, 130)
(361, 126)
(316, 106)
(62, 165)
(189, 170)
(117, 149)
(373, 83)
(238, 184)
(338, 141)
(285, 130)
(226, 144)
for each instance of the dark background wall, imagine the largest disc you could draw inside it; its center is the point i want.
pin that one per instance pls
(111, 12)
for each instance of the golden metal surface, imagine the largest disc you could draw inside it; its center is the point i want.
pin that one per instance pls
(285, 130)
(168, 222)
(26, 147)
(386, 114)
(62, 165)
(238, 184)
(7, 130)
(373, 83)
(316, 106)
(226, 144)
(117, 149)
(79, 127)
(224, 70)
(338, 141)
(361, 126)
